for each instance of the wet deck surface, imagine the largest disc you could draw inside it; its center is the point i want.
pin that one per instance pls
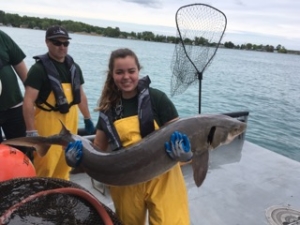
(241, 184)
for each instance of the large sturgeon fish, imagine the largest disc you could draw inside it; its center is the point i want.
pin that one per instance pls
(147, 158)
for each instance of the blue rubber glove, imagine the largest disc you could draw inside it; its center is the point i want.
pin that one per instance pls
(89, 126)
(74, 153)
(179, 147)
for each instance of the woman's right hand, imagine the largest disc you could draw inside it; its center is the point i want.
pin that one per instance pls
(74, 153)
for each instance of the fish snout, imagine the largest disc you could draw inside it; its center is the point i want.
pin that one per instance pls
(236, 131)
(239, 129)
(220, 135)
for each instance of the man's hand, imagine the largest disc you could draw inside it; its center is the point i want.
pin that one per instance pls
(89, 126)
(179, 147)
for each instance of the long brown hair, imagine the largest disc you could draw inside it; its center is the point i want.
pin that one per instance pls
(110, 94)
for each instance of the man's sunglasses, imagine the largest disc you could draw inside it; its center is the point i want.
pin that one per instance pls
(59, 43)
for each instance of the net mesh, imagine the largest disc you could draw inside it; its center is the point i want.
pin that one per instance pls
(200, 29)
(56, 208)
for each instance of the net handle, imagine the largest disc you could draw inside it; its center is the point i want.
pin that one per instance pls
(67, 190)
(199, 73)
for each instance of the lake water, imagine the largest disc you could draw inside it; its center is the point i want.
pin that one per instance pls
(265, 84)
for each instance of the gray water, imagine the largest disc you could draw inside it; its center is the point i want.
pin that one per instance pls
(265, 84)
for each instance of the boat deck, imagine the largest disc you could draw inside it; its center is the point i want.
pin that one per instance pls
(240, 185)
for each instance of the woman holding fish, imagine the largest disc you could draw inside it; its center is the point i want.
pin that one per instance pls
(130, 110)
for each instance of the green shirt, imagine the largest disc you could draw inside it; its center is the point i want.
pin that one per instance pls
(37, 77)
(162, 107)
(12, 54)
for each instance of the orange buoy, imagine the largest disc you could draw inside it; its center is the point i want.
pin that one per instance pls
(14, 164)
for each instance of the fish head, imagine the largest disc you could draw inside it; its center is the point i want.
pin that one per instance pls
(225, 131)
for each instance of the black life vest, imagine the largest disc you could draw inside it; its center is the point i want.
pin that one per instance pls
(145, 115)
(61, 102)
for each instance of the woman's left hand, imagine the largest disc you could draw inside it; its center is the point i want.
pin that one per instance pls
(179, 147)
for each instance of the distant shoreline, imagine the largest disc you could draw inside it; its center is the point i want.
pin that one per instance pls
(88, 34)
(294, 52)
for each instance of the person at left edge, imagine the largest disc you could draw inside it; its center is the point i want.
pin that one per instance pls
(11, 99)
(53, 93)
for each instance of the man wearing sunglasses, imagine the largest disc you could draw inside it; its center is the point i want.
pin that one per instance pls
(53, 93)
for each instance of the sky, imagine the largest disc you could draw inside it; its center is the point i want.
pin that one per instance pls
(263, 22)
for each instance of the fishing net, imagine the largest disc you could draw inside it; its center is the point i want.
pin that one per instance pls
(51, 201)
(200, 29)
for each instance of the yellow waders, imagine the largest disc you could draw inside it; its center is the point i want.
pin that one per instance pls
(165, 197)
(53, 164)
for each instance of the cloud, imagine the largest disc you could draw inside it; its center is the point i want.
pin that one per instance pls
(147, 3)
(239, 2)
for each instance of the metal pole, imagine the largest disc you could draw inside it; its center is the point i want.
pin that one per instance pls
(200, 89)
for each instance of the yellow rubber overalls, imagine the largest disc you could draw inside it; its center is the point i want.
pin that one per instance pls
(165, 197)
(53, 164)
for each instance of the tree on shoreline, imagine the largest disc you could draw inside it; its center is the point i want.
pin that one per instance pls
(15, 20)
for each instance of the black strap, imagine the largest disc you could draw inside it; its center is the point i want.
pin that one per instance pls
(146, 118)
(106, 121)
